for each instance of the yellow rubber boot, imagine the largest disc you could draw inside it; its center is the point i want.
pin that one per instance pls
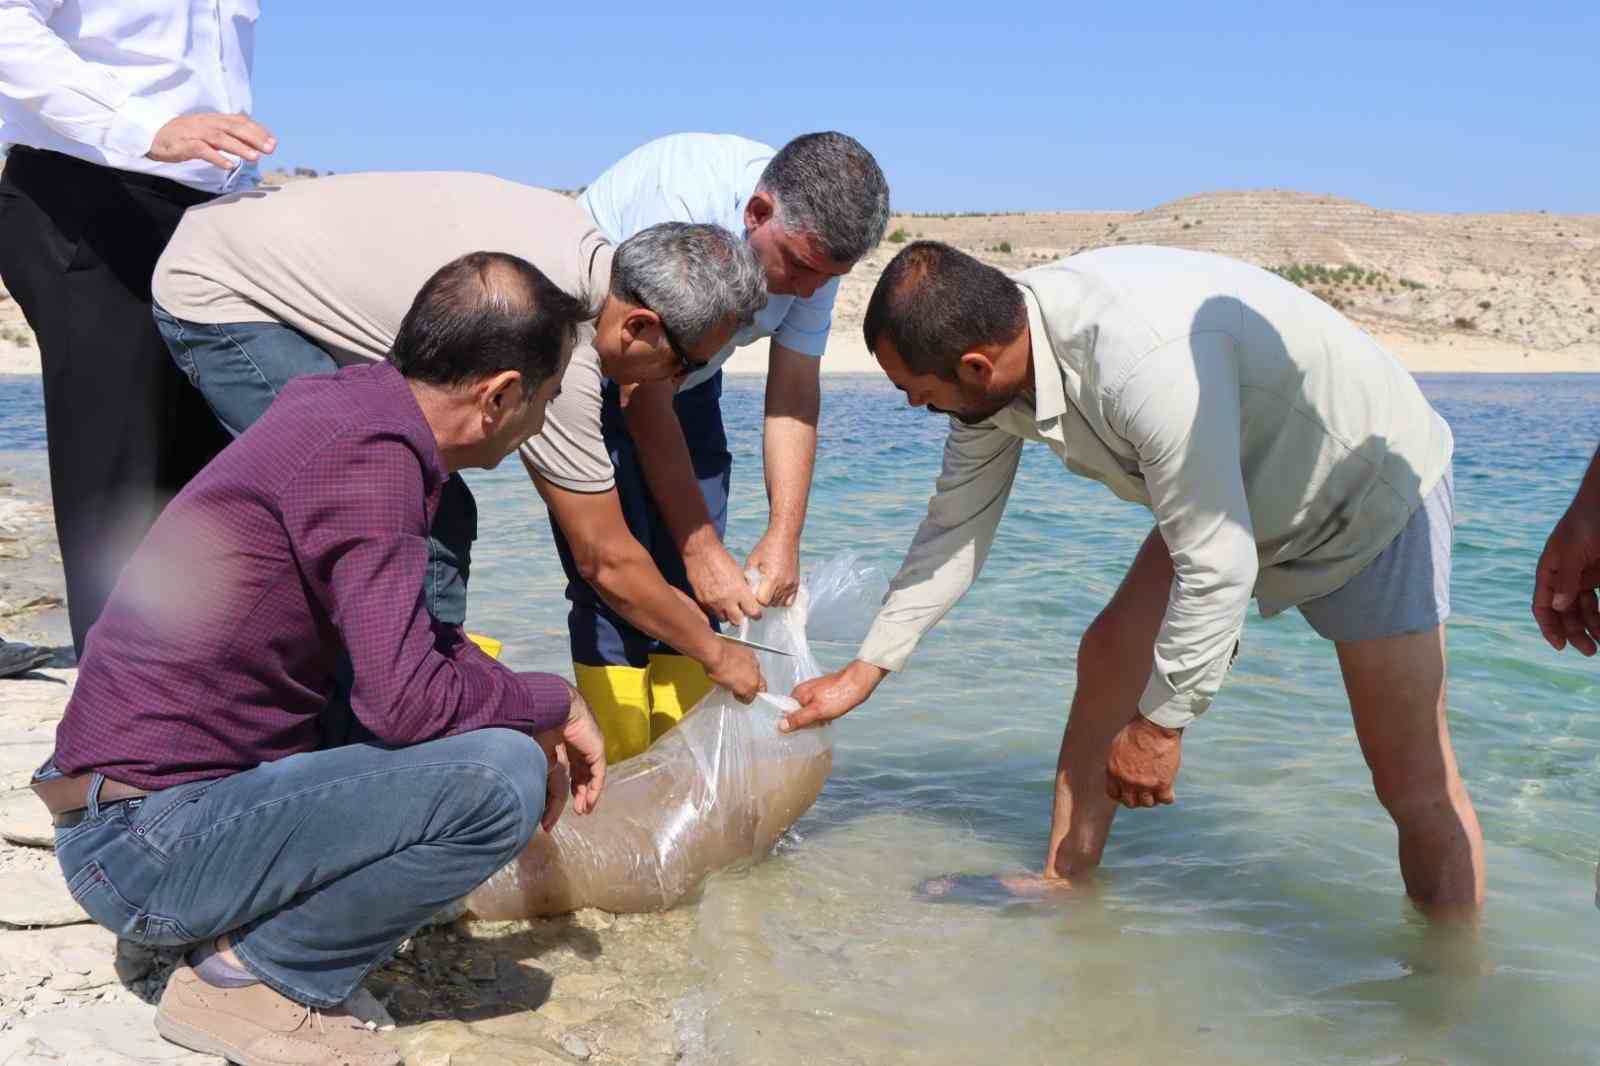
(619, 696)
(490, 646)
(677, 683)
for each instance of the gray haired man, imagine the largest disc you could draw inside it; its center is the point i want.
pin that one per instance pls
(260, 288)
(808, 211)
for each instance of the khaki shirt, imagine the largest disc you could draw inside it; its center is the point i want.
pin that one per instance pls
(1279, 447)
(341, 258)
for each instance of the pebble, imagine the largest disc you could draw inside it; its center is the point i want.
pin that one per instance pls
(575, 1046)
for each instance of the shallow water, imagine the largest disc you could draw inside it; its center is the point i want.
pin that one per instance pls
(1258, 921)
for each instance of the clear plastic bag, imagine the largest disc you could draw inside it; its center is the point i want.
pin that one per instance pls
(718, 789)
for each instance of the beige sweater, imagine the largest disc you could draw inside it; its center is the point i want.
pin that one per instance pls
(340, 259)
(1279, 447)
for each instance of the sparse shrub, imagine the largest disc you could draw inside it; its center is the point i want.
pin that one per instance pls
(1465, 323)
(1003, 247)
(898, 236)
(1187, 226)
(1483, 305)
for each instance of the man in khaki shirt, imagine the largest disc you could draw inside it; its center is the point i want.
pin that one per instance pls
(265, 286)
(1286, 457)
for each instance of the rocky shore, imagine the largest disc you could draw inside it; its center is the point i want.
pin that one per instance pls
(588, 987)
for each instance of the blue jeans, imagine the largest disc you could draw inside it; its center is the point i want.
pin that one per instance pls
(240, 367)
(317, 865)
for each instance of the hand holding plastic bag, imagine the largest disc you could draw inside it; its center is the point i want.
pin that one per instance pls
(718, 789)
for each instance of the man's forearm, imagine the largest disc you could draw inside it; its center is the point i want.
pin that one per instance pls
(1588, 494)
(789, 438)
(632, 585)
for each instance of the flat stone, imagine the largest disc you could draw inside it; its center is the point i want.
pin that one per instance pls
(71, 958)
(24, 820)
(37, 898)
(95, 1034)
(20, 756)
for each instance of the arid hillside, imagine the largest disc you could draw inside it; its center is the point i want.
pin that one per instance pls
(1446, 291)
(1526, 280)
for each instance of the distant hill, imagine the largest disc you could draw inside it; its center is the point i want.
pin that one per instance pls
(1502, 284)
(1527, 279)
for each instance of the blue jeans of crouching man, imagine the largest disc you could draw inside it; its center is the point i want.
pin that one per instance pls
(317, 865)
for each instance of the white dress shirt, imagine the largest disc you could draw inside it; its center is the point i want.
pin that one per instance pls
(706, 177)
(1279, 447)
(96, 79)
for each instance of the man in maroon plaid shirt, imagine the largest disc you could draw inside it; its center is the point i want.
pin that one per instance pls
(190, 800)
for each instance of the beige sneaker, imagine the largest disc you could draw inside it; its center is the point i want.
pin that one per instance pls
(255, 1026)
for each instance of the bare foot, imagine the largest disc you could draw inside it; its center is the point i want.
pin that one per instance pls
(991, 889)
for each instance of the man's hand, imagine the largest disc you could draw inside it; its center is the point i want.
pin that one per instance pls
(1564, 602)
(737, 670)
(574, 752)
(1143, 763)
(719, 584)
(822, 699)
(778, 558)
(207, 136)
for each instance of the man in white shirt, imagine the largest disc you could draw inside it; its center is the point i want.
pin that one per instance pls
(809, 211)
(120, 114)
(1286, 457)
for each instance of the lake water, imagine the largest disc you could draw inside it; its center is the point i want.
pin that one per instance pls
(1260, 920)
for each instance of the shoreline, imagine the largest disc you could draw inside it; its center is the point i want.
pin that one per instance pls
(1455, 354)
(1451, 354)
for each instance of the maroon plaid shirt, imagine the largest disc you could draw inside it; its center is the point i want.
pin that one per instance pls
(306, 535)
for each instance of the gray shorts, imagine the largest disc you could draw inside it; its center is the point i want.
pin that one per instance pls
(1406, 589)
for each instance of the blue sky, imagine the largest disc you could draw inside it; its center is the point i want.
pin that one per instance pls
(977, 106)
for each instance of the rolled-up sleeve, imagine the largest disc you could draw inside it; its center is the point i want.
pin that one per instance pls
(980, 466)
(805, 327)
(82, 101)
(1179, 409)
(355, 515)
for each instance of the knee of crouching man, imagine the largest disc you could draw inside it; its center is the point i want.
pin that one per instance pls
(520, 770)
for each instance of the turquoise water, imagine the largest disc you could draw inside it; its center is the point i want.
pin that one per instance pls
(1260, 920)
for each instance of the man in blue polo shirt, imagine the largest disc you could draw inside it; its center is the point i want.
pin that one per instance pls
(810, 211)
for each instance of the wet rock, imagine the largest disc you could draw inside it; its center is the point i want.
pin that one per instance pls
(32, 898)
(134, 962)
(24, 820)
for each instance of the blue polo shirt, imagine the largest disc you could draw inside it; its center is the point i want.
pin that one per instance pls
(706, 177)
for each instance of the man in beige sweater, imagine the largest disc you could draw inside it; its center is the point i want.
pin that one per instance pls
(266, 286)
(1286, 458)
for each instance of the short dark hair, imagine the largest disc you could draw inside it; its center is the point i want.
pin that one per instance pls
(827, 186)
(482, 314)
(936, 303)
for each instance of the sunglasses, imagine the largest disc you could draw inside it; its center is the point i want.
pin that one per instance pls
(686, 366)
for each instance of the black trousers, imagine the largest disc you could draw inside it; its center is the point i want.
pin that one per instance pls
(126, 429)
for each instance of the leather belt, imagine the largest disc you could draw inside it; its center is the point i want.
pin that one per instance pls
(67, 798)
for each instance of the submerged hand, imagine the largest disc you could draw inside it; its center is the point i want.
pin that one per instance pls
(719, 585)
(207, 136)
(737, 670)
(822, 699)
(1143, 763)
(1564, 602)
(778, 559)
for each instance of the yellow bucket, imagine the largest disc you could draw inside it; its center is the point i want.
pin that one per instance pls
(490, 646)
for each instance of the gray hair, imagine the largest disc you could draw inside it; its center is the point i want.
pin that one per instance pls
(695, 276)
(827, 186)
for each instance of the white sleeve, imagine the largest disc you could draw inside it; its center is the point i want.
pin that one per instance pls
(1180, 411)
(80, 100)
(980, 465)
